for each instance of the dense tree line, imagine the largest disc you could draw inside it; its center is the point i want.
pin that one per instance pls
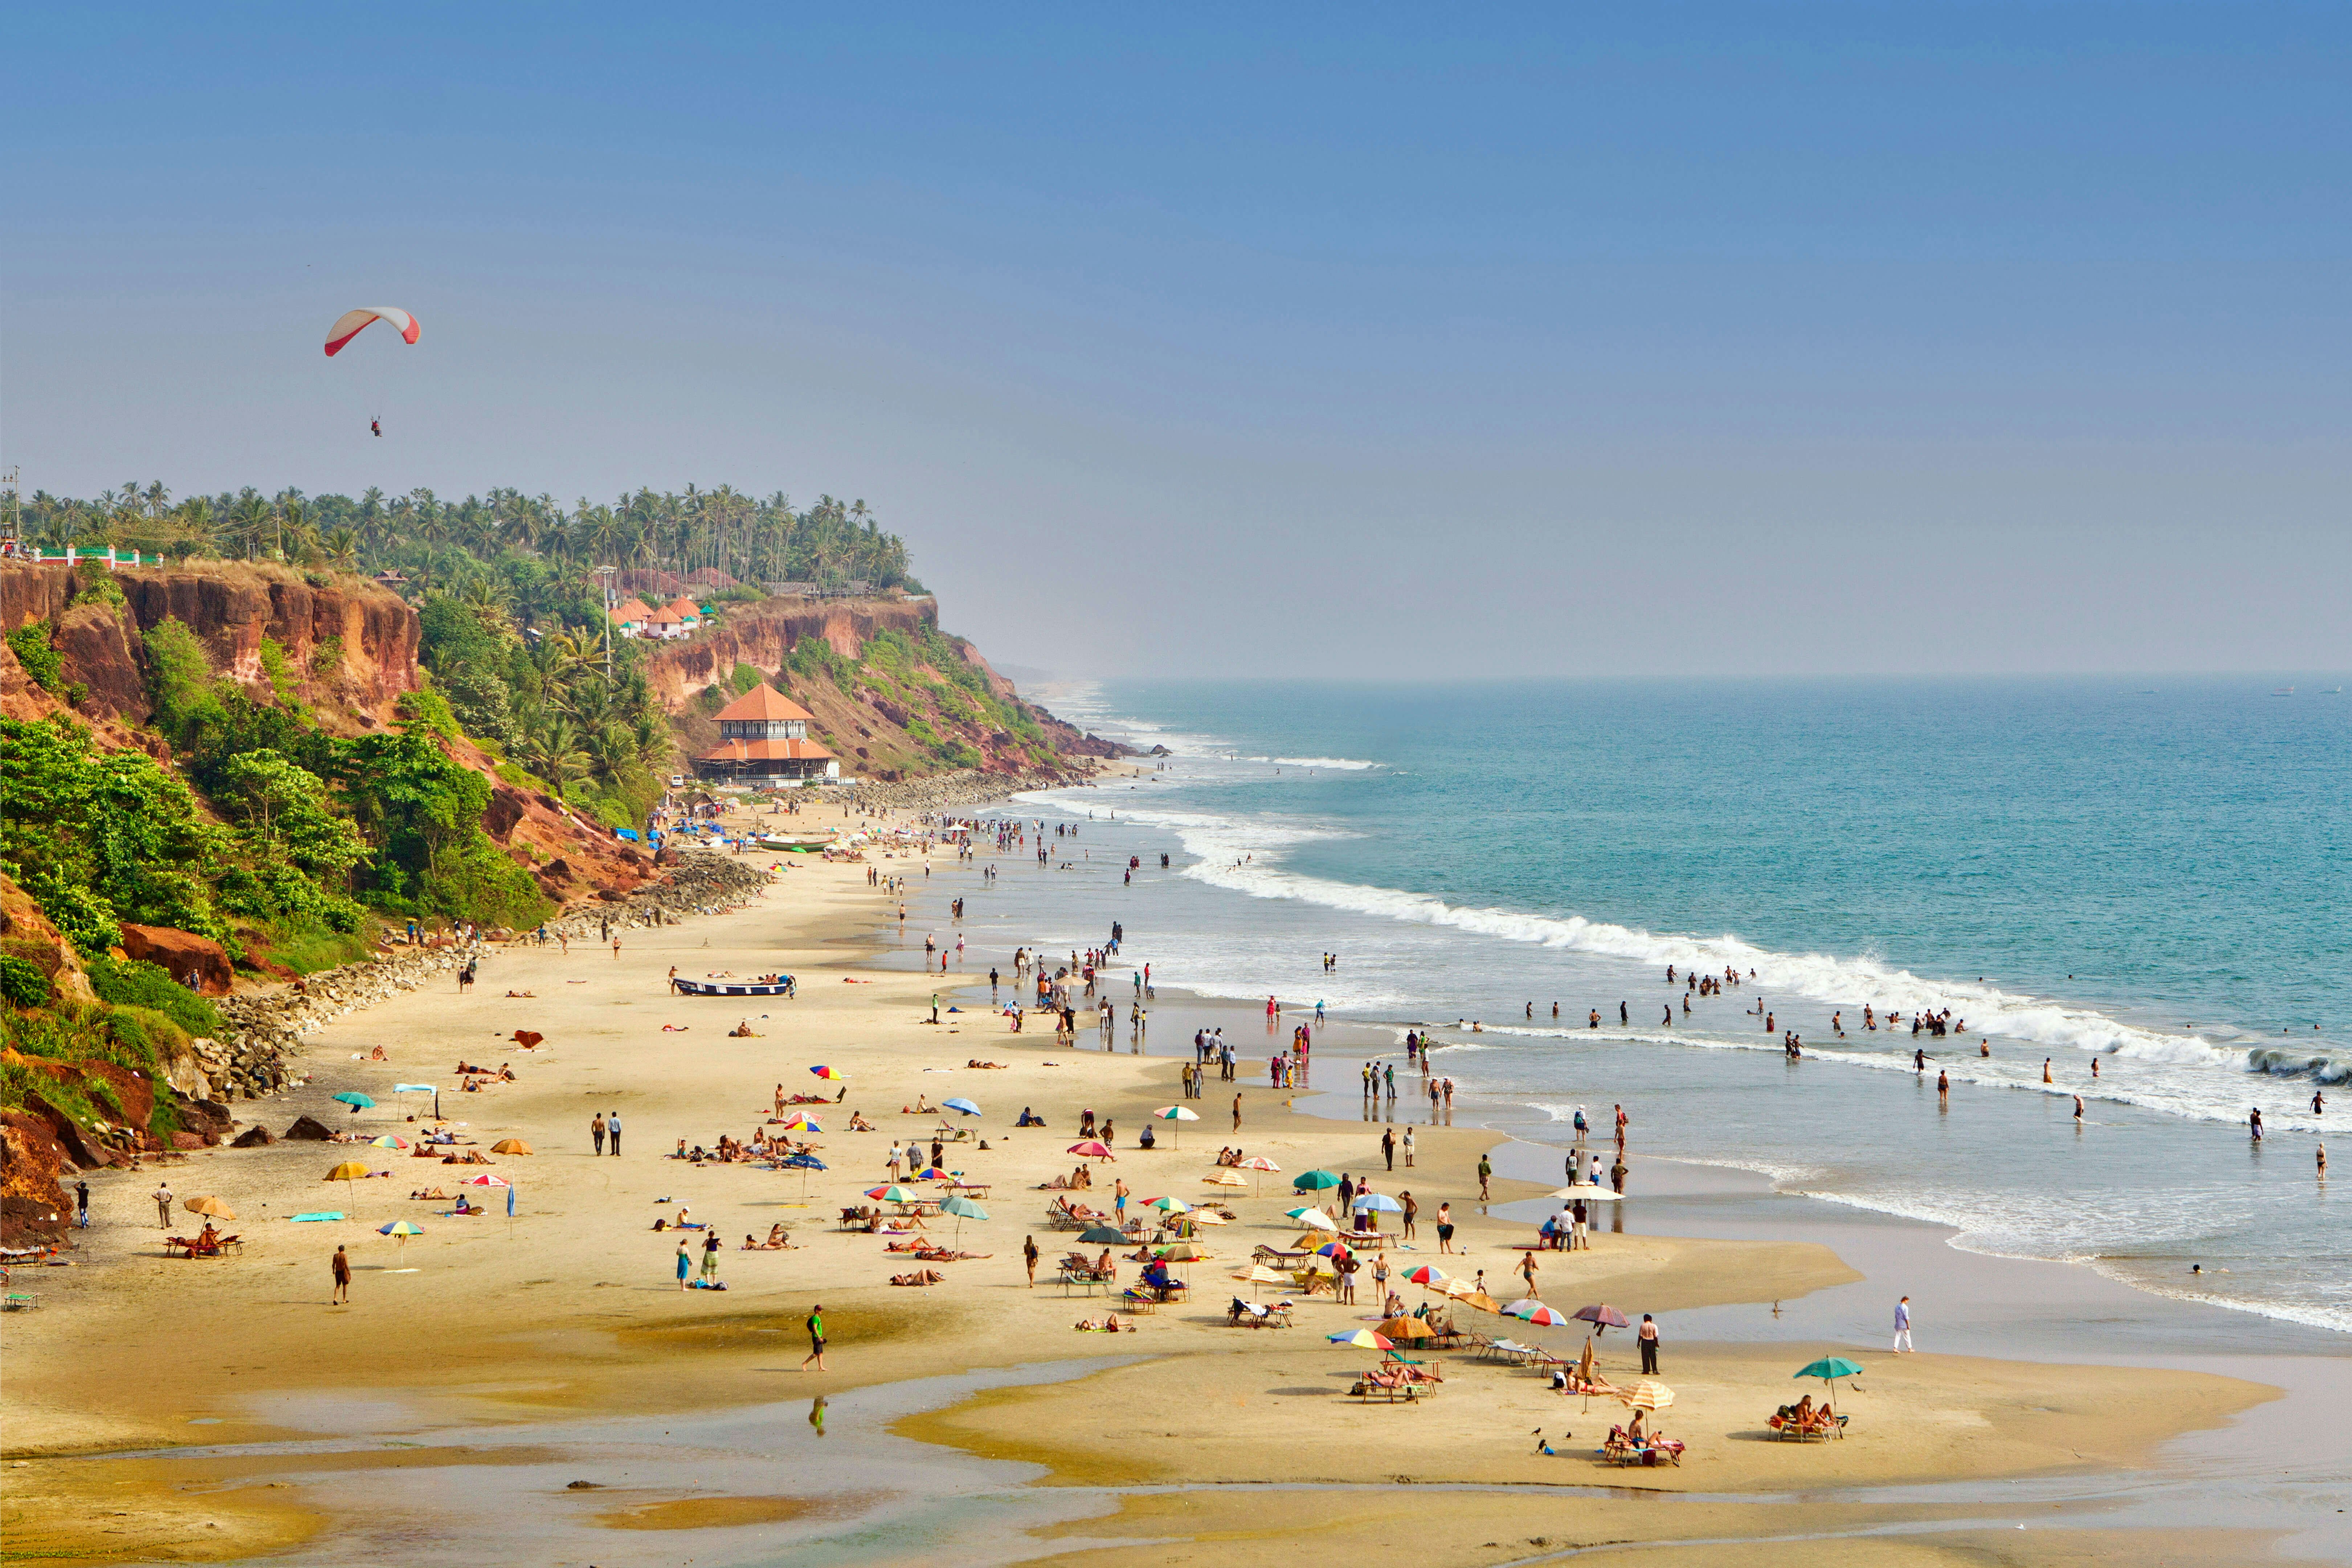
(748, 538)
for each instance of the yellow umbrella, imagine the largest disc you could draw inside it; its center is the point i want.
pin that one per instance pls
(1406, 1329)
(510, 1146)
(1650, 1395)
(1226, 1179)
(347, 1172)
(210, 1207)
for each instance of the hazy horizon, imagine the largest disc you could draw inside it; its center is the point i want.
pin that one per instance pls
(1701, 342)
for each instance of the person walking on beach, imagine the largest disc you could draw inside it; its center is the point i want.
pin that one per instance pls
(2254, 1123)
(1621, 1119)
(1408, 1147)
(81, 1204)
(1648, 1335)
(162, 1195)
(1411, 1210)
(685, 1263)
(613, 1131)
(1943, 1086)
(1528, 1269)
(816, 1339)
(710, 1257)
(1903, 1326)
(1617, 1175)
(1445, 1227)
(1118, 1198)
(1029, 1259)
(1237, 1113)
(596, 1132)
(1388, 1147)
(341, 1267)
(1486, 1175)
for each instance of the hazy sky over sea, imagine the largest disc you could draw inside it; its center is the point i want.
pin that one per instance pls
(1677, 339)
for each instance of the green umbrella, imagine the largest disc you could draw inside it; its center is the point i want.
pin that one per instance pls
(963, 1208)
(1829, 1369)
(1316, 1180)
(1103, 1235)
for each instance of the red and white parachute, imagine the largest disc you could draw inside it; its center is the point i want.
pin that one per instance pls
(350, 324)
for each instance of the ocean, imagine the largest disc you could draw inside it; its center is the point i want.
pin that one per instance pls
(2152, 874)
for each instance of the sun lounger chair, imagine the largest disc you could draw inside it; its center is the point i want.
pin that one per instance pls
(1257, 1315)
(1382, 1383)
(1136, 1300)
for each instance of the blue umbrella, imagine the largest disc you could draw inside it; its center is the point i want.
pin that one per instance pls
(966, 1106)
(355, 1099)
(804, 1164)
(1379, 1202)
(963, 1209)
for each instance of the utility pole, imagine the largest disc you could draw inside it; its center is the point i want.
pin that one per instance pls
(606, 574)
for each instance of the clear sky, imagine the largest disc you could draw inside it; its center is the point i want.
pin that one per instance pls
(1311, 340)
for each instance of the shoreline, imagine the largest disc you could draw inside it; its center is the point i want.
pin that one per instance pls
(477, 1350)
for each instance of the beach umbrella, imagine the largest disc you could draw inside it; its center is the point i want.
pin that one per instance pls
(1377, 1203)
(1407, 1329)
(1314, 1219)
(212, 1208)
(1260, 1274)
(802, 1121)
(400, 1230)
(1226, 1179)
(1169, 1206)
(1092, 1149)
(1535, 1312)
(1184, 1252)
(347, 1172)
(1335, 1250)
(485, 1181)
(1103, 1235)
(510, 1146)
(1428, 1275)
(1363, 1339)
(960, 1104)
(827, 1072)
(1179, 1115)
(963, 1209)
(929, 1174)
(804, 1164)
(1315, 1181)
(1259, 1162)
(1601, 1317)
(388, 1141)
(1649, 1394)
(1480, 1299)
(894, 1194)
(356, 1101)
(1829, 1369)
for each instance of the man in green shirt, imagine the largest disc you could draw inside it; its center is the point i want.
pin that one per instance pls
(1485, 1173)
(816, 1339)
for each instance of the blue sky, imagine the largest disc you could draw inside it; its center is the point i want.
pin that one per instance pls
(1680, 339)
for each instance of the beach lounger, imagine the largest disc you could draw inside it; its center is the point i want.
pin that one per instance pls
(1387, 1386)
(1088, 1281)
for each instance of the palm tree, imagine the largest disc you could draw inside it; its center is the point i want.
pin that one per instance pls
(552, 751)
(343, 549)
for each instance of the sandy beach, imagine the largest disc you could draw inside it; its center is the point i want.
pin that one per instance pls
(169, 1410)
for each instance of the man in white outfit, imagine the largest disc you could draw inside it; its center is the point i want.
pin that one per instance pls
(1903, 1325)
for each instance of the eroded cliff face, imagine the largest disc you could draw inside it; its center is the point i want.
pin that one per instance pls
(762, 635)
(351, 646)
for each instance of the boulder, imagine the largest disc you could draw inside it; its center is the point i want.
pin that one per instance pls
(254, 1137)
(308, 1128)
(182, 953)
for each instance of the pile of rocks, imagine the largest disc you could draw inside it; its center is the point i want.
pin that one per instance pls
(700, 882)
(965, 787)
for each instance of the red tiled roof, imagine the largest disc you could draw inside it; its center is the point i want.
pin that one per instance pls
(766, 751)
(634, 610)
(764, 701)
(682, 607)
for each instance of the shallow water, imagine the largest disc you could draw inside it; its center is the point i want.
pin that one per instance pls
(2077, 871)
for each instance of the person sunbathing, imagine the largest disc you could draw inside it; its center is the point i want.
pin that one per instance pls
(434, 1193)
(742, 1031)
(989, 1066)
(1109, 1325)
(377, 1055)
(859, 1123)
(921, 1277)
(922, 1107)
(522, 992)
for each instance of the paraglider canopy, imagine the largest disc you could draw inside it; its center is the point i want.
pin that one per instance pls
(349, 324)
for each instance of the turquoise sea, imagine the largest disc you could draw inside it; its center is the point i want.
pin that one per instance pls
(2156, 874)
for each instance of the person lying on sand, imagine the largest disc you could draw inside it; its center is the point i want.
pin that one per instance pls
(676, 1028)
(921, 1277)
(994, 1066)
(434, 1193)
(522, 992)
(1109, 1325)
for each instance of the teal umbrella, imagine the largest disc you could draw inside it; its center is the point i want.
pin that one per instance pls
(963, 1208)
(1315, 1181)
(1829, 1369)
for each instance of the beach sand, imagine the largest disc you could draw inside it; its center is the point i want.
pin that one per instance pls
(571, 1309)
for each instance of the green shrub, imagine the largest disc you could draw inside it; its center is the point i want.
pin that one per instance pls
(133, 982)
(745, 678)
(327, 658)
(22, 982)
(98, 587)
(427, 707)
(30, 644)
